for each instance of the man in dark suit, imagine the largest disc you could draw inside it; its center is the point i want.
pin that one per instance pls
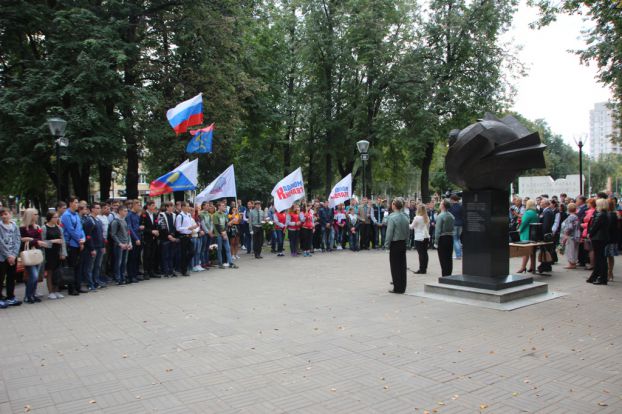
(149, 224)
(547, 218)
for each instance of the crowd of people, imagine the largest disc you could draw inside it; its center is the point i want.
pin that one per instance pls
(586, 231)
(87, 247)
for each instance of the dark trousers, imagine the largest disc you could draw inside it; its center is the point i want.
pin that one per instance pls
(133, 261)
(600, 272)
(582, 257)
(445, 250)
(397, 260)
(293, 241)
(186, 253)
(422, 252)
(73, 260)
(306, 236)
(150, 263)
(166, 256)
(364, 234)
(8, 271)
(257, 240)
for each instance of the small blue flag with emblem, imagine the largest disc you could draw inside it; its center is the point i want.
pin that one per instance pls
(201, 141)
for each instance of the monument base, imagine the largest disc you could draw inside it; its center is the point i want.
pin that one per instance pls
(504, 300)
(484, 282)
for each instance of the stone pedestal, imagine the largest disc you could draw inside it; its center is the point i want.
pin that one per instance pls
(485, 253)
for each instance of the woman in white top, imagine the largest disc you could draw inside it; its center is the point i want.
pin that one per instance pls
(421, 226)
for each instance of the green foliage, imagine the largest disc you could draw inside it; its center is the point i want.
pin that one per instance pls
(604, 39)
(288, 83)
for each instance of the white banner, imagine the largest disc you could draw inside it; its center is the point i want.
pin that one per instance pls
(288, 190)
(223, 186)
(341, 192)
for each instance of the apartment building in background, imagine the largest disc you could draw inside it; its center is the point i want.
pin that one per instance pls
(602, 128)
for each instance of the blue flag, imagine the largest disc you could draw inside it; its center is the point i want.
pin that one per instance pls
(201, 141)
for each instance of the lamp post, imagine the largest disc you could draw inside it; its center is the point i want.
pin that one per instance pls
(57, 129)
(580, 144)
(113, 175)
(363, 147)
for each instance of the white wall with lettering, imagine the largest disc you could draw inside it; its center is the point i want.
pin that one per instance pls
(533, 187)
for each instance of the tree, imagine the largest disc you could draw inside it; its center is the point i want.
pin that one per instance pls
(604, 40)
(454, 72)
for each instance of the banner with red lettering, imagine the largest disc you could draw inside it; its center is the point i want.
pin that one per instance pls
(341, 192)
(288, 190)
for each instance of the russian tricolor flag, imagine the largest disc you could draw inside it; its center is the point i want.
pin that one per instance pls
(186, 114)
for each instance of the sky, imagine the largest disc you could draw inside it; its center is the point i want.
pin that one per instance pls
(557, 88)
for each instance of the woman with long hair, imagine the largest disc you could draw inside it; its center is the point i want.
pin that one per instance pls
(55, 251)
(421, 227)
(31, 239)
(233, 230)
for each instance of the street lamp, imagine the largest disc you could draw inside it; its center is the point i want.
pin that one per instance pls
(580, 144)
(114, 178)
(363, 147)
(57, 129)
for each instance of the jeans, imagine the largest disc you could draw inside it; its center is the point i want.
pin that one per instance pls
(197, 242)
(120, 263)
(293, 241)
(328, 237)
(95, 270)
(353, 242)
(166, 256)
(278, 236)
(86, 263)
(379, 233)
(31, 282)
(223, 244)
(457, 242)
(205, 242)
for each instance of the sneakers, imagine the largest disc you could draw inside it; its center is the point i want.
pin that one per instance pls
(52, 296)
(339, 248)
(233, 266)
(3, 304)
(237, 257)
(13, 302)
(280, 254)
(197, 269)
(59, 296)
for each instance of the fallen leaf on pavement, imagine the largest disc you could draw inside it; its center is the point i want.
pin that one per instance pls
(602, 404)
(483, 406)
(26, 408)
(92, 402)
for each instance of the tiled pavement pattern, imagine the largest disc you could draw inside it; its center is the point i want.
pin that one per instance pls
(311, 335)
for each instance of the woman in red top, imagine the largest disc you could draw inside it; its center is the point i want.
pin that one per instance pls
(31, 239)
(293, 226)
(280, 224)
(587, 245)
(306, 233)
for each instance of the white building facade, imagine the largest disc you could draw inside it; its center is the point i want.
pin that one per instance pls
(601, 130)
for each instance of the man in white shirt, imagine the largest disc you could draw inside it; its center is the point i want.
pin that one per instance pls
(184, 225)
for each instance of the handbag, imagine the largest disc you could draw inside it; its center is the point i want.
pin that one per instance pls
(30, 257)
(63, 275)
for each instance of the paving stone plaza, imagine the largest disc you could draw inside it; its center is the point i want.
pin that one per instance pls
(311, 335)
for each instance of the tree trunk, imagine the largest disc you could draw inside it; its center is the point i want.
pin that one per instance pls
(179, 195)
(425, 172)
(80, 176)
(130, 81)
(105, 181)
